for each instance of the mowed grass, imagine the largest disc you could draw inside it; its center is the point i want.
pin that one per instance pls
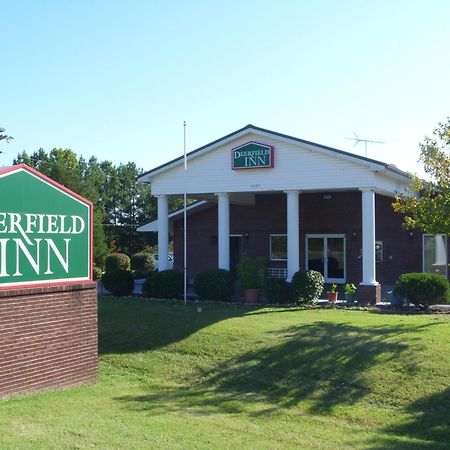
(233, 377)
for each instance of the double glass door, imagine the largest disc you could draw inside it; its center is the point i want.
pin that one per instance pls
(325, 253)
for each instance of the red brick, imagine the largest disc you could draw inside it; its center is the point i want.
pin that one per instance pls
(48, 338)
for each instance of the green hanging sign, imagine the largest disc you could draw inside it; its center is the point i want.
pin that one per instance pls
(252, 155)
(45, 231)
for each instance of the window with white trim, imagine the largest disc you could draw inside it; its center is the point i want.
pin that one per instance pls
(278, 247)
(435, 253)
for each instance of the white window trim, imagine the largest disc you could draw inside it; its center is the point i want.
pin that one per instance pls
(328, 280)
(270, 246)
(423, 251)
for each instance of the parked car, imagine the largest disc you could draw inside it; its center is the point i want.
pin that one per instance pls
(170, 259)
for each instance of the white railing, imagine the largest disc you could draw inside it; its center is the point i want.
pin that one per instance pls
(277, 272)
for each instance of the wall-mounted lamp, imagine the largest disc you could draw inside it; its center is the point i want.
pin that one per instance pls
(246, 235)
(411, 234)
(327, 196)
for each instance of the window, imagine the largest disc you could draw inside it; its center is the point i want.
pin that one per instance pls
(435, 253)
(278, 247)
(379, 251)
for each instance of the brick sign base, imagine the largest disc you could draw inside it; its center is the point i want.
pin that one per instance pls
(48, 338)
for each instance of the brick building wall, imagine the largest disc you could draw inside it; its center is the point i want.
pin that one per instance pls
(330, 213)
(48, 338)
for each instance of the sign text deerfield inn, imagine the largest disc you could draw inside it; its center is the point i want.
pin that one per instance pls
(253, 155)
(45, 231)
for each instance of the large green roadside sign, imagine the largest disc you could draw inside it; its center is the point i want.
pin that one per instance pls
(45, 231)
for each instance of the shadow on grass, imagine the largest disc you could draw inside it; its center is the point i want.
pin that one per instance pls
(321, 364)
(428, 426)
(128, 325)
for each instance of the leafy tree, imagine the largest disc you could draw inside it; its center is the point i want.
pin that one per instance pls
(430, 210)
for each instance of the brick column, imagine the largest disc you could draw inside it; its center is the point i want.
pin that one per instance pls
(48, 338)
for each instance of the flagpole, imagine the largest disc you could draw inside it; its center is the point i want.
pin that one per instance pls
(184, 214)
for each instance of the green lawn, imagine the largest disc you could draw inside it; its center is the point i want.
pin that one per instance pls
(235, 378)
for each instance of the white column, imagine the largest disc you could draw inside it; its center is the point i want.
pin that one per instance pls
(163, 232)
(224, 230)
(368, 237)
(293, 234)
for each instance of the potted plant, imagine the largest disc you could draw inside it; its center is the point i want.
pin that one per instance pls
(332, 294)
(350, 293)
(250, 272)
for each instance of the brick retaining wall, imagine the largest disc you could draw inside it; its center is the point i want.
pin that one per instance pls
(48, 338)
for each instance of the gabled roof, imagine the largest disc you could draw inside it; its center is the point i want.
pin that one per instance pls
(145, 177)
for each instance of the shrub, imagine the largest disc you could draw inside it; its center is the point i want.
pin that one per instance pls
(250, 272)
(142, 264)
(147, 286)
(422, 289)
(278, 290)
(214, 284)
(167, 284)
(97, 273)
(307, 285)
(119, 282)
(117, 261)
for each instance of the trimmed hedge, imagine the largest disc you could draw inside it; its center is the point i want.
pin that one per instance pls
(117, 261)
(423, 289)
(214, 284)
(278, 290)
(167, 284)
(142, 264)
(119, 282)
(147, 285)
(307, 285)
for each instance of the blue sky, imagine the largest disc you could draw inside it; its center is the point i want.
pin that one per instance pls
(117, 79)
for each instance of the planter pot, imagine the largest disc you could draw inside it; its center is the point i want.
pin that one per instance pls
(350, 298)
(251, 295)
(332, 297)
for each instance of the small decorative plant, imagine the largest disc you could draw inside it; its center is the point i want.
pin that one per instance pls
(251, 272)
(350, 293)
(333, 289)
(350, 288)
(332, 293)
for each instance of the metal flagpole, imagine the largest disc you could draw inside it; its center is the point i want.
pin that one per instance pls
(184, 213)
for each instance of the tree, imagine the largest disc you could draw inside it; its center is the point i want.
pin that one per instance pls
(4, 136)
(426, 205)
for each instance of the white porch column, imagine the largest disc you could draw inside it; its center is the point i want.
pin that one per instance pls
(163, 232)
(293, 234)
(368, 237)
(224, 230)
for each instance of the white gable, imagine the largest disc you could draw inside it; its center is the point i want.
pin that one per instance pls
(297, 165)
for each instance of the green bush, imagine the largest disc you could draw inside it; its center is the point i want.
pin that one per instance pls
(214, 284)
(147, 286)
(167, 284)
(307, 285)
(119, 282)
(278, 290)
(142, 264)
(117, 261)
(97, 273)
(250, 272)
(422, 289)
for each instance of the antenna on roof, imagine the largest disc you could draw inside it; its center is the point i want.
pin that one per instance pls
(357, 140)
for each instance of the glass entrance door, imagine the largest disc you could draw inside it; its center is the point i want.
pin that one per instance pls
(326, 254)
